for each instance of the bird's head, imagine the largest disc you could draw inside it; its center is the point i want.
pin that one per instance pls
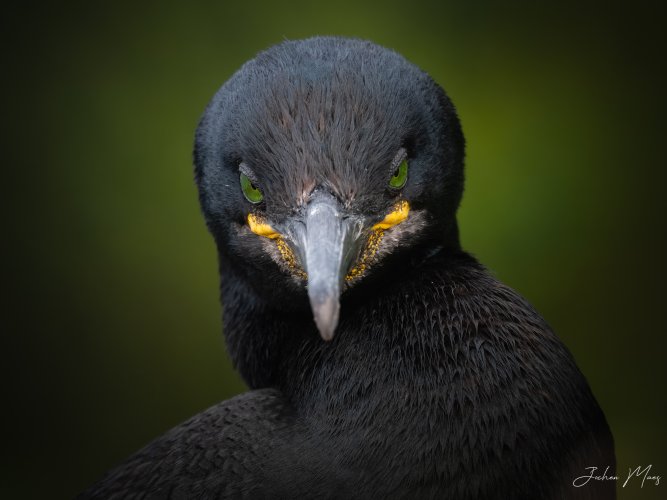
(320, 162)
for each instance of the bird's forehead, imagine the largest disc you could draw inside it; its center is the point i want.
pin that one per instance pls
(329, 107)
(322, 126)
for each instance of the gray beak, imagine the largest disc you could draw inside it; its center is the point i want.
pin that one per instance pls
(327, 244)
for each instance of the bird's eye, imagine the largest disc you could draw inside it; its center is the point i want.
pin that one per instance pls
(400, 176)
(251, 193)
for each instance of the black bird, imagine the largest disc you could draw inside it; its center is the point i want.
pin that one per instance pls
(329, 173)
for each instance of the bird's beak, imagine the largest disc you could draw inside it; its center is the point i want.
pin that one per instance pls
(327, 244)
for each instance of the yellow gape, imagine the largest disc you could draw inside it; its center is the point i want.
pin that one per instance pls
(396, 216)
(257, 226)
(261, 228)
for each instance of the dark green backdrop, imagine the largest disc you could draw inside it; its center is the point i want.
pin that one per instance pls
(110, 319)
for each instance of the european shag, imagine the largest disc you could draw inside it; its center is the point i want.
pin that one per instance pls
(382, 360)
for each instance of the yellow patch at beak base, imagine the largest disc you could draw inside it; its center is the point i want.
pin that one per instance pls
(261, 228)
(396, 216)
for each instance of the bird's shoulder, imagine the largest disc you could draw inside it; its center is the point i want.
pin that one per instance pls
(468, 309)
(459, 294)
(502, 345)
(217, 452)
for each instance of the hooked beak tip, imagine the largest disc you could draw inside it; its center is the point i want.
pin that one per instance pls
(325, 314)
(327, 241)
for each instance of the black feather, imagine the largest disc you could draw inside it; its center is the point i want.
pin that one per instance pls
(440, 382)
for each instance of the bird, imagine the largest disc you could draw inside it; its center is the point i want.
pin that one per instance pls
(382, 359)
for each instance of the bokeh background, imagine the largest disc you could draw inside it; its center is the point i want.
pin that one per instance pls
(111, 323)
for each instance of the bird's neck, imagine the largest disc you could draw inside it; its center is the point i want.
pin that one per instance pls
(378, 345)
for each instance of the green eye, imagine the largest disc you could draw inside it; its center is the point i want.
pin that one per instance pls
(400, 176)
(251, 193)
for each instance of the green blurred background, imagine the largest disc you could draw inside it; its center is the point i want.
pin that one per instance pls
(111, 322)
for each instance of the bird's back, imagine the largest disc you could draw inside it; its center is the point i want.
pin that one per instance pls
(218, 453)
